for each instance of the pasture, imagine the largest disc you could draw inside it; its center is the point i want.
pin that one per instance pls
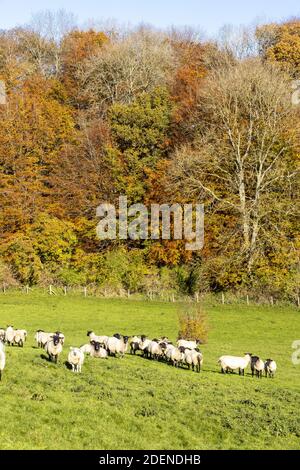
(136, 403)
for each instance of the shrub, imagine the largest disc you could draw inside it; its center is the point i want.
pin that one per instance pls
(193, 323)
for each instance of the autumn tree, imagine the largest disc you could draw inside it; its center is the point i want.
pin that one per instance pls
(243, 163)
(125, 69)
(281, 43)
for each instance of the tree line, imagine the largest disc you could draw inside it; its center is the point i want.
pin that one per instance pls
(158, 116)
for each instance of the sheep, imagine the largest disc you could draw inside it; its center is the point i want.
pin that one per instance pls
(100, 339)
(157, 349)
(168, 350)
(10, 335)
(98, 351)
(234, 362)
(257, 366)
(20, 337)
(2, 334)
(42, 338)
(270, 368)
(145, 342)
(2, 358)
(176, 356)
(188, 344)
(61, 337)
(135, 344)
(76, 359)
(117, 346)
(86, 348)
(53, 348)
(193, 358)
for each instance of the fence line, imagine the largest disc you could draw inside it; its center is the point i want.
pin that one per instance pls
(223, 298)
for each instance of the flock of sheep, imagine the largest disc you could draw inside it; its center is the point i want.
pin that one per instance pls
(184, 353)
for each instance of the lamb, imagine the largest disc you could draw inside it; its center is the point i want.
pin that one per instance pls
(234, 362)
(188, 344)
(117, 346)
(193, 358)
(10, 335)
(98, 351)
(2, 358)
(270, 368)
(257, 366)
(53, 348)
(135, 344)
(76, 359)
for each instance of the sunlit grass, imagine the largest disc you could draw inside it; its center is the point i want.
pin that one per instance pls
(137, 403)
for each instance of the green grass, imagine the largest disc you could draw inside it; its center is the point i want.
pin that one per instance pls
(136, 403)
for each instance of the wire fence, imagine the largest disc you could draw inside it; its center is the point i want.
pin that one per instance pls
(223, 298)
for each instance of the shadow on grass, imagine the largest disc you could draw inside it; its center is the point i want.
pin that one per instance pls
(68, 365)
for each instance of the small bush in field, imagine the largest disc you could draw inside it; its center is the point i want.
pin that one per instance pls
(193, 323)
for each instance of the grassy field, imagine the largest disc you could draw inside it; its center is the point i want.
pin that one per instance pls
(136, 403)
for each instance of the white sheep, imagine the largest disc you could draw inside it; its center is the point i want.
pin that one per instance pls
(157, 349)
(76, 359)
(117, 346)
(234, 362)
(168, 350)
(10, 335)
(176, 356)
(193, 358)
(98, 351)
(2, 358)
(42, 338)
(20, 337)
(188, 344)
(270, 368)
(53, 348)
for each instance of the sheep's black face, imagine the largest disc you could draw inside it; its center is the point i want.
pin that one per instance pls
(117, 335)
(96, 345)
(125, 339)
(88, 333)
(143, 337)
(163, 346)
(181, 349)
(55, 340)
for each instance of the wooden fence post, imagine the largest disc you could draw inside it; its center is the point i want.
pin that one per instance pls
(85, 291)
(223, 298)
(247, 299)
(65, 290)
(26, 289)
